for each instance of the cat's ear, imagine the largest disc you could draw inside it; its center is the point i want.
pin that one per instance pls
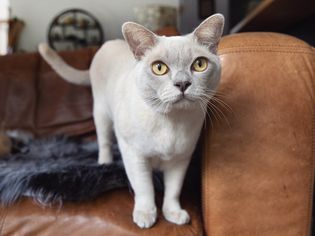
(139, 38)
(210, 31)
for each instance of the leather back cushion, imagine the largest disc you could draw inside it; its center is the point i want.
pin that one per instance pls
(258, 166)
(35, 99)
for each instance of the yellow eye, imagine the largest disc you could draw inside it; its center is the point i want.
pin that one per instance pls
(159, 68)
(200, 64)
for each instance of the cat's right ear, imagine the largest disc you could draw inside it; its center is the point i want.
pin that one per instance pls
(209, 32)
(139, 38)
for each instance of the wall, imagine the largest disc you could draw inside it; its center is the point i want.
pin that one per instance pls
(223, 7)
(37, 14)
(189, 18)
(4, 16)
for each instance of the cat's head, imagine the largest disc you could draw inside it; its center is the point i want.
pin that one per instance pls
(179, 72)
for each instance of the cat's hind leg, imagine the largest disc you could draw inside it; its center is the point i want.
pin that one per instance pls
(104, 131)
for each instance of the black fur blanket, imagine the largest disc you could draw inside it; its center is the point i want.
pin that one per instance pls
(57, 169)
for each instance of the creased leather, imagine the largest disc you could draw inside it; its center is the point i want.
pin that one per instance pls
(35, 99)
(258, 167)
(108, 215)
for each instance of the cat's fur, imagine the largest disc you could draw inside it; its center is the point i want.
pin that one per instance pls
(156, 124)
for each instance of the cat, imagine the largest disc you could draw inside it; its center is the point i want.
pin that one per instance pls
(153, 92)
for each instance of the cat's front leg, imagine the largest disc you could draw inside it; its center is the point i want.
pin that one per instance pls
(174, 174)
(139, 172)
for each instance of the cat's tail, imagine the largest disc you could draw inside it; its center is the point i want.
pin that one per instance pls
(70, 74)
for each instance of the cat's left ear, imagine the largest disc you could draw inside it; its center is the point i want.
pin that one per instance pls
(210, 31)
(139, 38)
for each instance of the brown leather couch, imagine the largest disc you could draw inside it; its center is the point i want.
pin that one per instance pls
(257, 167)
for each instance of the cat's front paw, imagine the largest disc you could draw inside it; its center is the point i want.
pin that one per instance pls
(178, 217)
(144, 218)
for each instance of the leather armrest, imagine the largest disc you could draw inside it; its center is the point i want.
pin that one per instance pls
(258, 168)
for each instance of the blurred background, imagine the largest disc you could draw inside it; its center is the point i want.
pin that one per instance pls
(73, 24)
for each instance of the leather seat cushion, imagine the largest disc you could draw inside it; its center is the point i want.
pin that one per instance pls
(107, 215)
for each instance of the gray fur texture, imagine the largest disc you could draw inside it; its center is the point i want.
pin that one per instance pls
(57, 169)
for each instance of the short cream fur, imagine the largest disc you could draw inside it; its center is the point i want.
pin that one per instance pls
(156, 118)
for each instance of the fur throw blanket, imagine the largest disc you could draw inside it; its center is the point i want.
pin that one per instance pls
(57, 169)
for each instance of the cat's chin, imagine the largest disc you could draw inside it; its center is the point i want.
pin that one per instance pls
(185, 104)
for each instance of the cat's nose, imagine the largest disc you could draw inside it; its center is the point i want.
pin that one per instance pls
(182, 86)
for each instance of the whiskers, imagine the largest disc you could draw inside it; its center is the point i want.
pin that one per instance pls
(162, 102)
(156, 103)
(213, 105)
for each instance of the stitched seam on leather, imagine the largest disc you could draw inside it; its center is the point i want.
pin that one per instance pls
(309, 214)
(274, 35)
(296, 46)
(205, 183)
(205, 202)
(226, 51)
(311, 187)
(202, 179)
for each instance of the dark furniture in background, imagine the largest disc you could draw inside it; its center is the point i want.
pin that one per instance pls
(293, 17)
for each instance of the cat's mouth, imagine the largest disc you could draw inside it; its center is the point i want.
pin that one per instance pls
(181, 98)
(181, 101)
